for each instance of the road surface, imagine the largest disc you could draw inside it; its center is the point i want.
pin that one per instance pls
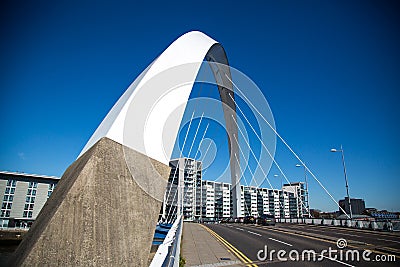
(308, 245)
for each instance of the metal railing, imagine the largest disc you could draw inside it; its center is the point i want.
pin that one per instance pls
(168, 252)
(389, 225)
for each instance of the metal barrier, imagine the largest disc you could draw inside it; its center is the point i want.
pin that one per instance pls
(168, 252)
(363, 224)
(317, 221)
(396, 226)
(327, 222)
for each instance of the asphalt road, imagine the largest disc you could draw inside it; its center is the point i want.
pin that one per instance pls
(295, 244)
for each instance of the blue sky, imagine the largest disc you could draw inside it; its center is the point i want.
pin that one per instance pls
(329, 70)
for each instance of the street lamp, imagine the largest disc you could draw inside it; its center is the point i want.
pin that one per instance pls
(305, 179)
(345, 177)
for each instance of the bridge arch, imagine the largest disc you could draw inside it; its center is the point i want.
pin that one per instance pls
(158, 96)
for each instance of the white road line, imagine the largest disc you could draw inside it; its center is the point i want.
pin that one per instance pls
(254, 233)
(239, 229)
(388, 240)
(332, 259)
(276, 240)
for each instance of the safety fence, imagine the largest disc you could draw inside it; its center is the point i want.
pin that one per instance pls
(168, 252)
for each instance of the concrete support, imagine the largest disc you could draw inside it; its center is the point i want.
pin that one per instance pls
(98, 215)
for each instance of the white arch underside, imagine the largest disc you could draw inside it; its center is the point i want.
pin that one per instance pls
(189, 48)
(151, 107)
(148, 115)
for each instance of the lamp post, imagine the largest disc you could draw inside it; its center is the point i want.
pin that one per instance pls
(306, 182)
(345, 177)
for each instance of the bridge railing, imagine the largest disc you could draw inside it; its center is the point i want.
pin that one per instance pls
(390, 225)
(168, 252)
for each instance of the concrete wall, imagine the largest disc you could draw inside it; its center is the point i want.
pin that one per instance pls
(98, 215)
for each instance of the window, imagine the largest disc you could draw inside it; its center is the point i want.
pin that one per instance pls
(30, 200)
(50, 189)
(8, 198)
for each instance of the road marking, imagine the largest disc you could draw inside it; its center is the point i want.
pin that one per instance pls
(276, 240)
(322, 232)
(228, 245)
(332, 259)
(239, 229)
(388, 240)
(254, 233)
(231, 248)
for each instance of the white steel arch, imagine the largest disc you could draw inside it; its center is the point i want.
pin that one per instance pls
(153, 103)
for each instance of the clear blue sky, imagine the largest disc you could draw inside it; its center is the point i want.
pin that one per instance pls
(329, 70)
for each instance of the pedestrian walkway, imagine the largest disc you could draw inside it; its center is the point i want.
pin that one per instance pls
(201, 249)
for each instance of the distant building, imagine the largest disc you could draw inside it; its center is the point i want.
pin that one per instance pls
(209, 200)
(23, 196)
(222, 199)
(300, 193)
(357, 205)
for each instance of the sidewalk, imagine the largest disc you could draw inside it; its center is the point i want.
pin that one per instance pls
(200, 248)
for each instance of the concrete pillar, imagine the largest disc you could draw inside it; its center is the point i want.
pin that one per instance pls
(103, 212)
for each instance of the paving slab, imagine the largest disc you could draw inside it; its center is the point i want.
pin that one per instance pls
(201, 249)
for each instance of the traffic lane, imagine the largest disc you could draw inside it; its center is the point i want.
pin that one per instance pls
(377, 239)
(395, 234)
(391, 235)
(239, 234)
(263, 249)
(370, 237)
(250, 244)
(345, 257)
